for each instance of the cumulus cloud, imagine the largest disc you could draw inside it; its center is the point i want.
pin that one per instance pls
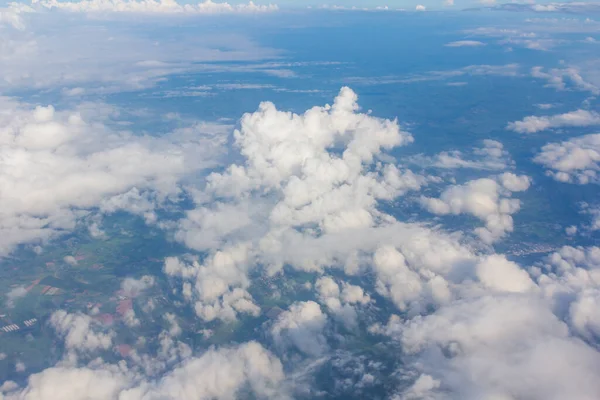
(79, 333)
(404, 285)
(112, 60)
(510, 325)
(570, 278)
(519, 337)
(533, 124)
(57, 166)
(498, 273)
(487, 199)
(151, 6)
(14, 294)
(217, 374)
(341, 301)
(575, 160)
(465, 43)
(306, 177)
(218, 287)
(301, 327)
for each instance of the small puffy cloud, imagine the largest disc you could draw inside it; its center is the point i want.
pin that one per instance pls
(341, 302)
(490, 156)
(133, 287)
(575, 160)
(70, 260)
(465, 43)
(515, 183)
(420, 7)
(221, 373)
(578, 118)
(301, 326)
(78, 333)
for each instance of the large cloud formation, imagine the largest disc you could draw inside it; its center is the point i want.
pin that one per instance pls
(306, 177)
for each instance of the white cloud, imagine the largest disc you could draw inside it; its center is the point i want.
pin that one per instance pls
(83, 59)
(420, 7)
(578, 118)
(70, 260)
(585, 314)
(57, 166)
(152, 6)
(574, 160)
(341, 302)
(174, 328)
(301, 326)
(217, 288)
(134, 287)
(465, 43)
(78, 333)
(14, 294)
(515, 183)
(336, 7)
(304, 176)
(485, 199)
(216, 374)
(497, 347)
(130, 319)
(498, 273)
